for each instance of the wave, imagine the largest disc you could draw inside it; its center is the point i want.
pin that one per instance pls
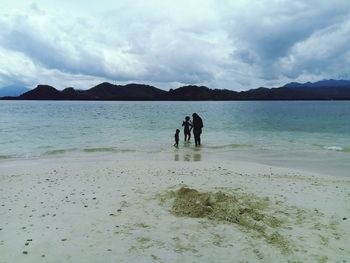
(5, 157)
(59, 151)
(100, 149)
(45, 147)
(334, 148)
(337, 148)
(88, 150)
(229, 146)
(107, 149)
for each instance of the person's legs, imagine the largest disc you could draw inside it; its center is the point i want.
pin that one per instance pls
(199, 140)
(196, 139)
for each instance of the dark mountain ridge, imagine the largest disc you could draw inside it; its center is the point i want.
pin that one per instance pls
(42, 92)
(108, 91)
(192, 92)
(323, 90)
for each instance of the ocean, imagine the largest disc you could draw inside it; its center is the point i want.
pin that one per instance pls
(312, 135)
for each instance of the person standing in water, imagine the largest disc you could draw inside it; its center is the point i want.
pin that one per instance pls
(177, 132)
(187, 128)
(197, 128)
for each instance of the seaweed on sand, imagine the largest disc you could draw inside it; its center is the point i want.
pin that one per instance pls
(245, 210)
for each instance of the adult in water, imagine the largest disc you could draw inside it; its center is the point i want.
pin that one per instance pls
(197, 128)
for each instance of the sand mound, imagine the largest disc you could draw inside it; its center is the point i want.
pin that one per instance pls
(248, 211)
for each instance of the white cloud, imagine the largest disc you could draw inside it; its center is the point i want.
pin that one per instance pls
(325, 51)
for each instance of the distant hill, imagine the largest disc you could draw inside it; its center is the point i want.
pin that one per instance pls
(199, 93)
(42, 92)
(108, 91)
(297, 93)
(103, 91)
(319, 84)
(322, 90)
(12, 90)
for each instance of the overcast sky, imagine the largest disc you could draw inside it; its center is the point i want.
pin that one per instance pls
(219, 43)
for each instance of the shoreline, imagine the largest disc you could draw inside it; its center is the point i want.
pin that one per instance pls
(85, 209)
(326, 163)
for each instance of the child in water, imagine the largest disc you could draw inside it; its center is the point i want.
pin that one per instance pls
(177, 132)
(187, 128)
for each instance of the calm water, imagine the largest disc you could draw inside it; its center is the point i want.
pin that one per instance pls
(305, 133)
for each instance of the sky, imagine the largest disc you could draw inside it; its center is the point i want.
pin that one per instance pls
(231, 44)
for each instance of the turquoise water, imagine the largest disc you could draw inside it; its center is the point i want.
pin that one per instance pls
(273, 132)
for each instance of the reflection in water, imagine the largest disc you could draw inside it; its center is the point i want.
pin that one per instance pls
(187, 157)
(197, 155)
(188, 154)
(177, 157)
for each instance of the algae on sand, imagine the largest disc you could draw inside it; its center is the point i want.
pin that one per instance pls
(246, 210)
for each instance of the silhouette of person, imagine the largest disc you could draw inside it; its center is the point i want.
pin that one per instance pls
(187, 124)
(197, 128)
(177, 132)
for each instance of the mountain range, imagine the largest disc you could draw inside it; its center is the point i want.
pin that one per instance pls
(322, 90)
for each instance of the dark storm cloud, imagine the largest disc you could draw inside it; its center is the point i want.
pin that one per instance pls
(273, 28)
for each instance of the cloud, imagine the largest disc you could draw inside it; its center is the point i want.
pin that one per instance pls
(59, 46)
(269, 32)
(325, 51)
(226, 44)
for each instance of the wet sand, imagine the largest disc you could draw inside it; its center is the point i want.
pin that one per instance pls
(105, 210)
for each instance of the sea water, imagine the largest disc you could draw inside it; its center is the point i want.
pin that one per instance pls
(308, 134)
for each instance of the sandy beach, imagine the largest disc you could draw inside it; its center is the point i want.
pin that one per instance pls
(175, 131)
(104, 210)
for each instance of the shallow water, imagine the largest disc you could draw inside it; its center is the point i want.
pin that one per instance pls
(280, 132)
